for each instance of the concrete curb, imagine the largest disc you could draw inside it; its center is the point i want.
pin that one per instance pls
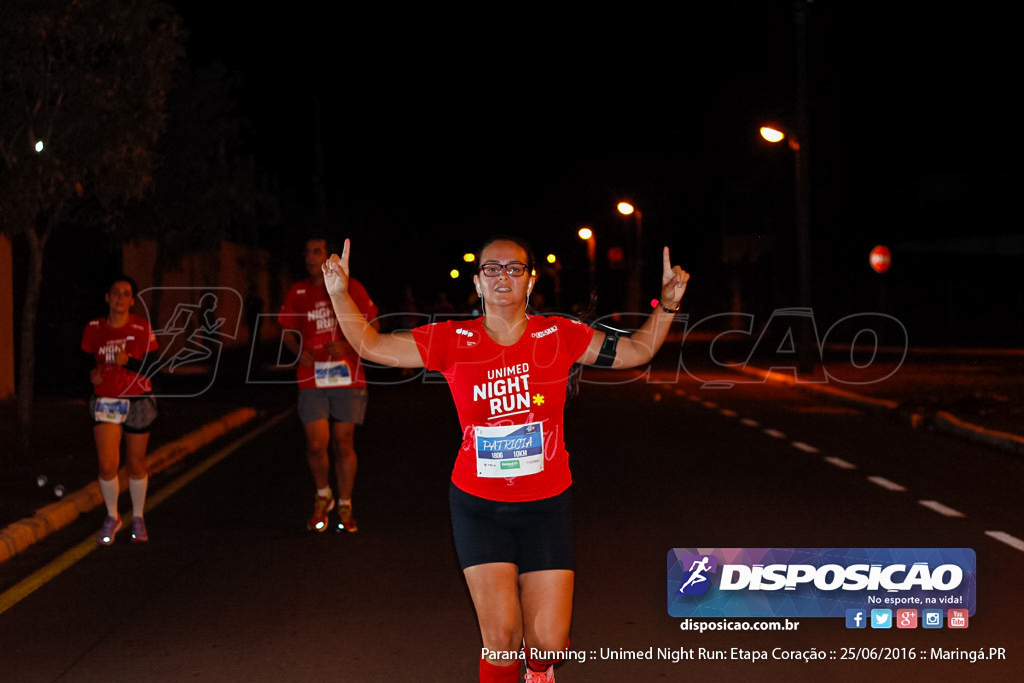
(947, 422)
(942, 421)
(879, 404)
(16, 537)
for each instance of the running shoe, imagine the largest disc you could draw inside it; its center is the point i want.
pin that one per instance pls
(346, 522)
(139, 533)
(111, 525)
(321, 506)
(546, 676)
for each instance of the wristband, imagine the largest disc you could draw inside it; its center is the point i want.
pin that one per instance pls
(671, 310)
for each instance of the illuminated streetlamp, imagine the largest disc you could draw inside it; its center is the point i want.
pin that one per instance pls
(775, 134)
(635, 269)
(799, 140)
(552, 268)
(587, 235)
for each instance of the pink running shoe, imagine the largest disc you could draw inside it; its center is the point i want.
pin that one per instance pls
(546, 676)
(111, 525)
(139, 533)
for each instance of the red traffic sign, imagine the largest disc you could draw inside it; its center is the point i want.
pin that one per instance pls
(880, 259)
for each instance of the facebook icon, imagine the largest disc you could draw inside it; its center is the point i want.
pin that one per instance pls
(856, 618)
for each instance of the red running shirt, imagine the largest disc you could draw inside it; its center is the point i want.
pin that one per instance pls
(307, 309)
(136, 338)
(510, 401)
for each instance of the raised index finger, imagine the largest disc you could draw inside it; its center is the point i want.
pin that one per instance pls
(666, 262)
(345, 251)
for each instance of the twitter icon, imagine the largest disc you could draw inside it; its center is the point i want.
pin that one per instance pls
(881, 618)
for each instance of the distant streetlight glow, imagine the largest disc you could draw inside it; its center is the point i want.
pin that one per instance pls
(551, 258)
(634, 255)
(587, 235)
(454, 274)
(775, 133)
(39, 145)
(469, 258)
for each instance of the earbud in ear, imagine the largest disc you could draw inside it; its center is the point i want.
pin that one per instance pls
(478, 292)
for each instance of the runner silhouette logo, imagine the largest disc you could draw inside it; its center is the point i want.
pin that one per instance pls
(696, 582)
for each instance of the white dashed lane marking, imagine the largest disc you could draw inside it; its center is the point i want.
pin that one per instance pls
(1006, 538)
(943, 510)
(934, 505)
(886, 484)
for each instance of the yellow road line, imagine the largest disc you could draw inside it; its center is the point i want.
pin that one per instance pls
(44, 575)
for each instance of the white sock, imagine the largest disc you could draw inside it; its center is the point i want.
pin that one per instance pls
(111, 489)
(137, 490)
(345, 501)
(324, 493)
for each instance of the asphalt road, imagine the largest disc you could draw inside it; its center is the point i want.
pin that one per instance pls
(233, 587)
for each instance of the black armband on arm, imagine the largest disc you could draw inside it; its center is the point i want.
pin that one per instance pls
(606, 356)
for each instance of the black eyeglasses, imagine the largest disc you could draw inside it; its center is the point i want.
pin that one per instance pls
(514, 269)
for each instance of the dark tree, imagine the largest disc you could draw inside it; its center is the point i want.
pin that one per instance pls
(83, 93)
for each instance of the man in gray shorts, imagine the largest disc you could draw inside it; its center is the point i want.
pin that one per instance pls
(332, 388)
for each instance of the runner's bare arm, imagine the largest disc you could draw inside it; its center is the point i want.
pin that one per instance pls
(394, 349)
(642, 345)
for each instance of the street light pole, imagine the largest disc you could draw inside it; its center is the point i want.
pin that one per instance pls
(803, 204)
(587, 235)
(807, 343)
(636, 261)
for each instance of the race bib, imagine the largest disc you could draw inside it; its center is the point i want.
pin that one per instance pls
(509, 451)
(332, 374)
(113, 410)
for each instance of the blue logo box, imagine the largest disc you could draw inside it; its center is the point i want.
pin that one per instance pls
(817, 582)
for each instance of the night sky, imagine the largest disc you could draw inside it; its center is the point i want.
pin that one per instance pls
(439, 127)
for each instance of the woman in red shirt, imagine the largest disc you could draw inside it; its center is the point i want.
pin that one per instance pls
(122, 404)
(511, 486)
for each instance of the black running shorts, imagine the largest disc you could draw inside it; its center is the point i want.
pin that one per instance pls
(142, 413)
(534, 535)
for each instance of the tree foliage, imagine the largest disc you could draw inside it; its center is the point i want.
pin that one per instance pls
(83, 98)
(202, 185)
(88, 79)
